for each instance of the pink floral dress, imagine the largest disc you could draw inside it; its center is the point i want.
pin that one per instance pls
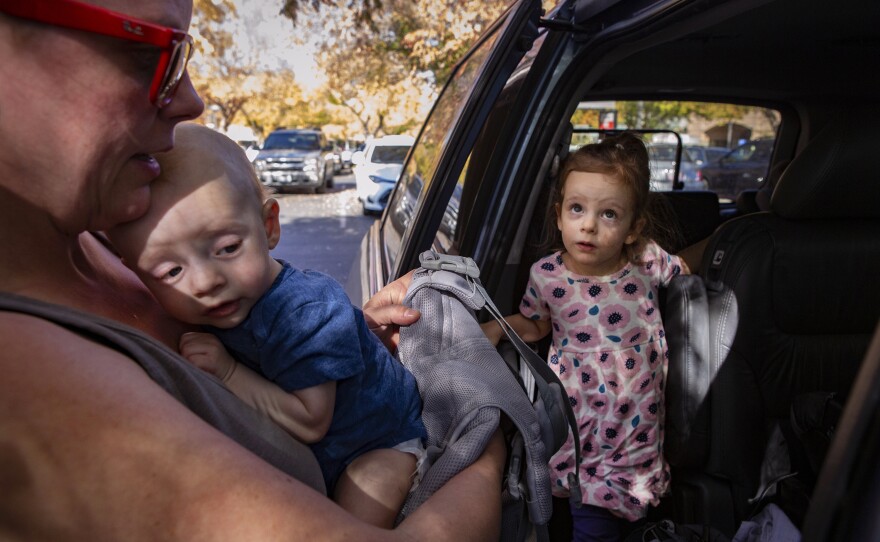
(610, 352)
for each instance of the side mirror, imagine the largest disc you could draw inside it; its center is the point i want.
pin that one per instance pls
(357, 158)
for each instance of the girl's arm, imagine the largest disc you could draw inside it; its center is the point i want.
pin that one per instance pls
(528, 330)
(306, 414)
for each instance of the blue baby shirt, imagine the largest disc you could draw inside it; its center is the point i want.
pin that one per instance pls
(304, 331)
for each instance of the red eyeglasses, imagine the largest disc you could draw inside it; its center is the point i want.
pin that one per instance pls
(176, 45)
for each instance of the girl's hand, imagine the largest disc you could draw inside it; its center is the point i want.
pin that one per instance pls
(493, 331)
(206, 352)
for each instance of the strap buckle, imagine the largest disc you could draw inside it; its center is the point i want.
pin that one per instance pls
(447, 262)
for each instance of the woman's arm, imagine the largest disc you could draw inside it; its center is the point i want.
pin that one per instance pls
(91, 448)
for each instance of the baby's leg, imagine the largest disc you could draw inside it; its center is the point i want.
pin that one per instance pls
(375, 485)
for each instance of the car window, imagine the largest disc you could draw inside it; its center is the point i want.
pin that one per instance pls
(737, 141)
(422, 164)
(306, 142)
(756, 151)
(389, 154)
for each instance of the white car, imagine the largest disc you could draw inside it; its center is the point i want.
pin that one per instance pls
(377, 168)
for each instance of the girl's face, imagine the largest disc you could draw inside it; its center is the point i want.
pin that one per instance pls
(81, 127)
(596, 221)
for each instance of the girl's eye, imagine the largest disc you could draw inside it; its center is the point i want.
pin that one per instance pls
(608, 213)
(576, 208)
(174, 272)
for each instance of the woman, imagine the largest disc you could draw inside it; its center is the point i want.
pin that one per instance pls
(99, 438)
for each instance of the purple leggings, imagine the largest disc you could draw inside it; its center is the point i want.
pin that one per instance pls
(594, 524)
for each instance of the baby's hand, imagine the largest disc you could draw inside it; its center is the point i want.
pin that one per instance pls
(206, 352)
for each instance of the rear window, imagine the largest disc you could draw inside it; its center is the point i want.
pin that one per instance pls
(725, 148)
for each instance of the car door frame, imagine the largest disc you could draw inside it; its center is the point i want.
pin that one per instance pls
(511, 45)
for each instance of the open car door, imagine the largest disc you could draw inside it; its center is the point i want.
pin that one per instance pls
(392, 246)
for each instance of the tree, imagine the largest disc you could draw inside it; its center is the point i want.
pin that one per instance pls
(219, 71)
(235, 85)
(385, 66)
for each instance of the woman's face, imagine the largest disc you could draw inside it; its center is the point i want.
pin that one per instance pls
(79, 122)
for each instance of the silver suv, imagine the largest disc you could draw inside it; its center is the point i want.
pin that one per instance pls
(295, 159)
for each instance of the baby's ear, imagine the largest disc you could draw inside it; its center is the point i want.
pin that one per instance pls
(271, 221)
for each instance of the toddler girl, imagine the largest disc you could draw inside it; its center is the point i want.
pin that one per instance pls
(598, 296)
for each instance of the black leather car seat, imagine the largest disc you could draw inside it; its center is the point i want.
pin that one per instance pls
(758, 199)
(787, 305)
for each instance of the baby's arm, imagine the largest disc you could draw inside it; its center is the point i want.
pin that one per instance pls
(529, 330)
(306, 414)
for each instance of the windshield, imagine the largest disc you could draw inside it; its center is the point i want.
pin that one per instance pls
(389, 154)
(305, 142)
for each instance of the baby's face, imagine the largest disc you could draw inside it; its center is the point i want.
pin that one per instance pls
(203, 250)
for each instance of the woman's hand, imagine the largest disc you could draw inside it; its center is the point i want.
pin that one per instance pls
(206, 352)
(385, 312)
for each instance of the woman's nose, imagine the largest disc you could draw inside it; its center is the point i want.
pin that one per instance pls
(186, 103)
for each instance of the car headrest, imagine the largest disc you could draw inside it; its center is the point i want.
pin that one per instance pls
(836, 174)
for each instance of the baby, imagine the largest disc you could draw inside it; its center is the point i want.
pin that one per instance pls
(288, 342)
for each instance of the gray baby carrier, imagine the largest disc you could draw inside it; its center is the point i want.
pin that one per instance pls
(466, 385)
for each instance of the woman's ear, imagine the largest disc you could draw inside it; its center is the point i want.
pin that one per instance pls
(271, 222)
(635, 232)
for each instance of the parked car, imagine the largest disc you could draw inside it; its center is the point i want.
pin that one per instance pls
(295, 159)
(704, 156)
(377, 168)
(334, 157)
(662, 158)
(346, 149)
(476, 183)
(743, 168)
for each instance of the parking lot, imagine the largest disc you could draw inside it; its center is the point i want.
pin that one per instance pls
(322, 231)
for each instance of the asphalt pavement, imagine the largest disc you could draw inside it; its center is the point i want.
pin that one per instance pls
(322, 231)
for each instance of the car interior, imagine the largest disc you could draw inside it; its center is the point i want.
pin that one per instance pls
(787, 301)
(783, 303)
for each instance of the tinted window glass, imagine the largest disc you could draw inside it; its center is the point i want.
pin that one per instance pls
(306, 142)
(743, 136)
(420, 170)
(389, 154)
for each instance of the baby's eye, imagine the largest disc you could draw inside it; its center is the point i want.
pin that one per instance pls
(576, 208)
(608, 213)
(173, 272)
(231, 248)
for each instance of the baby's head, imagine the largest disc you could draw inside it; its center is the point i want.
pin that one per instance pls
(203, 246)
(601, 201)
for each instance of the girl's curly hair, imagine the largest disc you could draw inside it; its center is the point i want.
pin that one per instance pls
(625, 158)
